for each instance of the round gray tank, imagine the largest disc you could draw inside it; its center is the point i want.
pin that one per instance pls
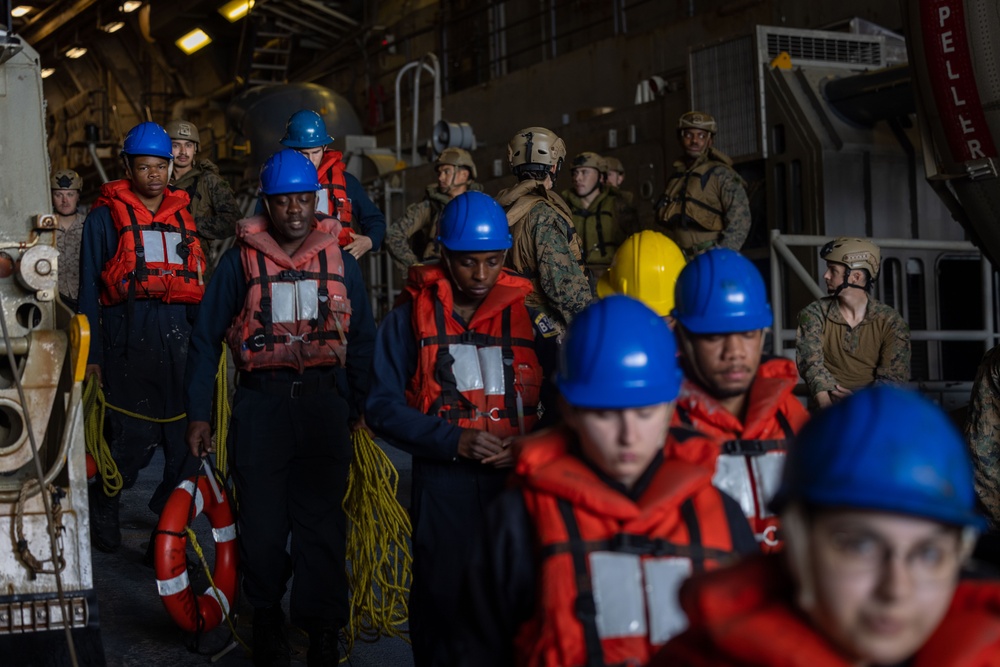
(260, 113)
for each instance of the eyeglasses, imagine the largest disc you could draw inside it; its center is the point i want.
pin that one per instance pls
(931, 561)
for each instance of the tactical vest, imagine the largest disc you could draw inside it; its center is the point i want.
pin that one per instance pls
(159, 255)
(518, 202)
(424, 242)
(296, 313)
(611, 567)
(334, 188)
(692, 213)
(597, 226)
(485, 375)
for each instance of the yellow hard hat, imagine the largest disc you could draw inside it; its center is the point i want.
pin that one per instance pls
(645, 267)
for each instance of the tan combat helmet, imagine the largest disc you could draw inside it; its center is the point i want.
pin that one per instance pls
(697, 120)
(536, 148)
(181, 130)
(589, 159)
(854, 253)
(457, 157)
(612, 164)
(66, 179)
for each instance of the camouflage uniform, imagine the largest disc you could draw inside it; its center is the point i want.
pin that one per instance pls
(547, 251)
(829, 353)
(416, 230)
(213, 206)
(68, 244)
(705, 205)
(982, 431)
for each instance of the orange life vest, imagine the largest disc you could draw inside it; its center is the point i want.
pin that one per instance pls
(296, 313)
(485, 375)
(331, 178)
(159, 255)
(745, 616)
(611, 566)
(746, 457)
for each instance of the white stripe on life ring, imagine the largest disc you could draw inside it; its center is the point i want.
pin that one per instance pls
(199, 502)
(173, 586)
(224, 534)
(222, 596)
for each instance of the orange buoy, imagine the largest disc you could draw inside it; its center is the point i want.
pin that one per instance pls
(203, 612)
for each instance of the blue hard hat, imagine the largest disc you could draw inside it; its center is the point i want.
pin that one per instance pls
(721, 291)
(305, 129)
(618, 354)
(148, 139)
(884, 449)
(474, 222)
(286, 172)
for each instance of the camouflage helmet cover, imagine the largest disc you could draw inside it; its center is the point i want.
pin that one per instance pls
(588, 159)
(457, 157)
(697, 120)
(612, 164)
(181, 130)
(66, 179)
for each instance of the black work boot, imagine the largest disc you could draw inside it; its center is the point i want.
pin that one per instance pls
(105, 533)
(324, 647)
(270, 639)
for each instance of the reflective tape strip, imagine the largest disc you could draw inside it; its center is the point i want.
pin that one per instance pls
(199, 502)
(664, 577)
(225, 534)
(767, 471)
(221, 596)
(733, 478)
(173, 586)
(616, 580)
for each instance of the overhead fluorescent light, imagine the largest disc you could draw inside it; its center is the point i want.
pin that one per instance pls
(130, 5)
(20, 10)
(113, 26)
(193, 41)
(236, 9)
(76, 52)
(48, 71)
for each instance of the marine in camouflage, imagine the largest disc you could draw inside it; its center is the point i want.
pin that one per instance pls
(982, 431)
(412, 237)
(830, 353)
(68, 244)
(213, 206)
(547, 251)
(705, 205)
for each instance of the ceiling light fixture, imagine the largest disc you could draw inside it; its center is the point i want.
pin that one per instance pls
(48, 71)
(75, 52)
(130, 6)
(20, 10)
(236, 9)
(113, 26)
(193, 41)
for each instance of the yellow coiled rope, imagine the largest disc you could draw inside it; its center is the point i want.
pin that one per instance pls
(378, 549)
(223, 411)
(93, 431)
(193, 539)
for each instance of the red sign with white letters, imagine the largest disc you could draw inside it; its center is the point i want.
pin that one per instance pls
(953, 81)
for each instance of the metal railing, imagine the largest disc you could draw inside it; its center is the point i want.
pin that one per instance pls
(781, 256)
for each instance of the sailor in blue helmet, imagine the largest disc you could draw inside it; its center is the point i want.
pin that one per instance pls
(460, 371)
(295, 313)
(580, 563)
(340, 194)
(141, 279)
(879, 516)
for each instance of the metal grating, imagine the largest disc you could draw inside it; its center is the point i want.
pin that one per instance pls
(722, 84)
(825, 49)
(821, 47)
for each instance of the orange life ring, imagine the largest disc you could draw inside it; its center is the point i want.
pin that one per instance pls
(204, 612)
